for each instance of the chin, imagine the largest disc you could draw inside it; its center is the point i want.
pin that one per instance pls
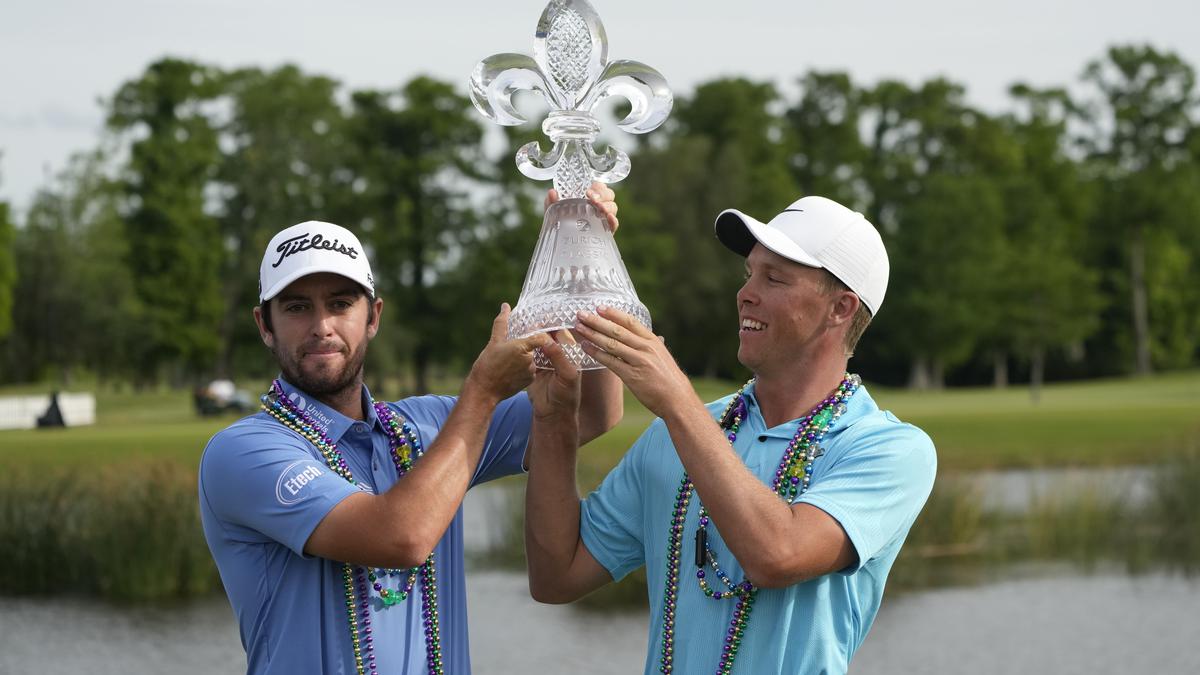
(320, 381)
(746, 359)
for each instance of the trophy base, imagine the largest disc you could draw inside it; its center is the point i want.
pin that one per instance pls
(560, 314)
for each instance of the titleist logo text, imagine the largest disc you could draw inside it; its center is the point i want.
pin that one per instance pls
(303, 242)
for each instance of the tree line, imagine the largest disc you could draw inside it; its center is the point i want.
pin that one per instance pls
(1056, 239)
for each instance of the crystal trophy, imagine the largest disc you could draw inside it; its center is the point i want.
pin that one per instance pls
(576, 265)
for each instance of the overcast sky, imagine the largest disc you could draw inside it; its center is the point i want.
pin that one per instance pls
(58, 57)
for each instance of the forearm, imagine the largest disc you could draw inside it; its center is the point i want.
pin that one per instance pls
(551, 508)
(435, 486)
(777, 544)
(756, 525)
(602, 403)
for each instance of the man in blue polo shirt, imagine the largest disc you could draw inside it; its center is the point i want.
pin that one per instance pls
(767, 520)
(335, 520)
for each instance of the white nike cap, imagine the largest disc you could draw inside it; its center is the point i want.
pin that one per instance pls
(308, 248)
(817, 232)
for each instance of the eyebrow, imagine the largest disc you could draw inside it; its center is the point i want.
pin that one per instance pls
(767, 266)
(350, 291)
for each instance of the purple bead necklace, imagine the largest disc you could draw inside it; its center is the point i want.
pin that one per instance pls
(791, 480)
(405, 448)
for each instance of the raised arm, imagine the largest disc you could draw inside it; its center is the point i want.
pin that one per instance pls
(561, 569)
(776, 544)
(400, 527)
(602, 404)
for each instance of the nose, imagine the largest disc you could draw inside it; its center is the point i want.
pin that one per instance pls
(322, 325)
(746, 295)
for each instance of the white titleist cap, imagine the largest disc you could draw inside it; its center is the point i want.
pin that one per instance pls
(308, 248)
(817, 232)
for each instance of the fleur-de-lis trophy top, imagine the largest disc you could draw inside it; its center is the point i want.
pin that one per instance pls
(576, 265)
(571, 70)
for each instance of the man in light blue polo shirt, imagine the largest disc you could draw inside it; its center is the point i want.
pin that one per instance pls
(335, 520)
(767, 520)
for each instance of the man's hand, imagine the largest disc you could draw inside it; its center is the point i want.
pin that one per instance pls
(505, 366)
(637, 356)
(599, 194)
(555, 393)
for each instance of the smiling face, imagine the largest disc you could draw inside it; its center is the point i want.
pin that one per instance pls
(320, 327)
(786, 317)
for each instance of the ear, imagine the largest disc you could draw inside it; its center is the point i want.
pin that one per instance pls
(267, 336)
(845, 306)
(373, 327)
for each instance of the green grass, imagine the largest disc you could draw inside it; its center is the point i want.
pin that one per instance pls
(1103, 422)
(1107, 422)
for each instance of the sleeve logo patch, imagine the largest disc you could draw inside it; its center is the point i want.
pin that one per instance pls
(289, 489)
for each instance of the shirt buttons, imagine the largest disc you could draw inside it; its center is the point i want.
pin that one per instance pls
(762, 438)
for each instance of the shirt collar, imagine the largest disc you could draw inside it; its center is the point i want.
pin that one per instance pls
(859, 405)
(331, 422)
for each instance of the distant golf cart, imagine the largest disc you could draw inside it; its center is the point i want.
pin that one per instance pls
(221, 396)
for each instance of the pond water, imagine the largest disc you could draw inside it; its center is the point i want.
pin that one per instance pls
(1093, 625)
(1014, 490)
(1085, 625)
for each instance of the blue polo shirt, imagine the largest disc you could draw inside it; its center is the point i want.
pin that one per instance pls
(264, 489)
(873, 478)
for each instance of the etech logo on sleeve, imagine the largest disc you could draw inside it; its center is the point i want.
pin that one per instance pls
(290, 488)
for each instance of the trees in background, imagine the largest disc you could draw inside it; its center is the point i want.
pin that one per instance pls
(1058, 238)
(412, 159)
(283, 161)
(724, 150)
(174, 242)
(76, 305)
(934, 194)
(1048, 294)
(1142, 118)
(8, 269)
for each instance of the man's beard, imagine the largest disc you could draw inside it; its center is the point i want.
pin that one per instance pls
(326, 385)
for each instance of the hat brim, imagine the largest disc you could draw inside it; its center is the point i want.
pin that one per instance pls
(739, 233)
(286, 280)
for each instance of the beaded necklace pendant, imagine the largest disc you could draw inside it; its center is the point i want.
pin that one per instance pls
(405, 448)
(792, 479)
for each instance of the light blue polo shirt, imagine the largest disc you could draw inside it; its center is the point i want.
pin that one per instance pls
(873, 478)
(264, 489)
